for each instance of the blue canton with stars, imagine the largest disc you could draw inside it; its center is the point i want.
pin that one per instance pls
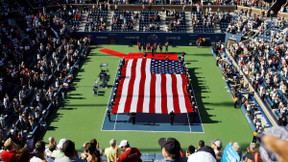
(166, 67)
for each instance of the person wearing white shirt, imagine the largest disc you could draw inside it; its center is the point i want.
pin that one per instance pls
(39, 153)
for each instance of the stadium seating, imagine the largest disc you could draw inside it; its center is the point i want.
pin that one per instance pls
(96, 21)
(198, 25)
(149, 21)
(41, 50)
(122, 21)
(178, 23)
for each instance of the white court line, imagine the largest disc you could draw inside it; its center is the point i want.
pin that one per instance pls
(151, 131)
(189, 122)
(203, 131)
(112, 90)
(115, 122)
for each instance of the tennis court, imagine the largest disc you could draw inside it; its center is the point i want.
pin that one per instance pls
(82, 116)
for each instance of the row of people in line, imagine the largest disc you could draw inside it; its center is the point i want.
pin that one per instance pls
(152, 47)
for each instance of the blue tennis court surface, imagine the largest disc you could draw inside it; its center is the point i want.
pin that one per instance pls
(154, 122)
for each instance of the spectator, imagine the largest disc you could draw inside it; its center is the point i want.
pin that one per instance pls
(235, 101)
(59, 151)
(201, 143)
(237, 148)
(89, 151)
(98, 151)
(190, 150)
(51, 147)
(10, 151)
(252, 153)
(69, 152)
(39, 153)
(131, 154)
(282, 120)
(170, 150)
(110, 151)
(23, 155)
(205, 153)
(216, 145)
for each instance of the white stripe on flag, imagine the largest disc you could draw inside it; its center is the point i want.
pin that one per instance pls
(181, 94)
(125, 87)
(147, 87)
(169, 92)
(136, 86)
(158, 107)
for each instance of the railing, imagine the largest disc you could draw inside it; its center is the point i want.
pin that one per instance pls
(267, 111)
(244, 111)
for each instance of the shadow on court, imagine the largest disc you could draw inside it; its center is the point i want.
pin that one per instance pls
(54, 116)
(165, 118)
(200, 87)
(153, 122)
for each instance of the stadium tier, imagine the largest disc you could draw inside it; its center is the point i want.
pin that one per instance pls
(155, 80)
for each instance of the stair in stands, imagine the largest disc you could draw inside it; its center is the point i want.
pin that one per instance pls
(109, 20)
(83, 21)
(189, 21)
(162, 21)
(217, 28)
(136, 22)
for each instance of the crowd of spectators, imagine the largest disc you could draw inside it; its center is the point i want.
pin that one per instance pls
(7, 6)
(171, 149)
(244, 22)
(123, 20)
(273, 30)
(260, 4)
(66, 15)
(265, 66)
(205, 21)
(237, 87)
(16, 52)
(202, 21)
(97, 19)
(220, 2)
(265, 29)
(149, 21)
(154, 2)
(178, 23)
(33, 68)
(257, 4)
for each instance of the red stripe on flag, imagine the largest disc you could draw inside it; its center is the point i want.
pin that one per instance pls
(142, 87)
(175, 94)
(152, 94)
(130, 87)
(120, 86)
(186, 96)
(163, 94)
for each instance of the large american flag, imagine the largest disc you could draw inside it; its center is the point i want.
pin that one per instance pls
(152, 86)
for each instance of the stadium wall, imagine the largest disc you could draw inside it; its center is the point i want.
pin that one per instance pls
(131, 38)
(234, 37)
